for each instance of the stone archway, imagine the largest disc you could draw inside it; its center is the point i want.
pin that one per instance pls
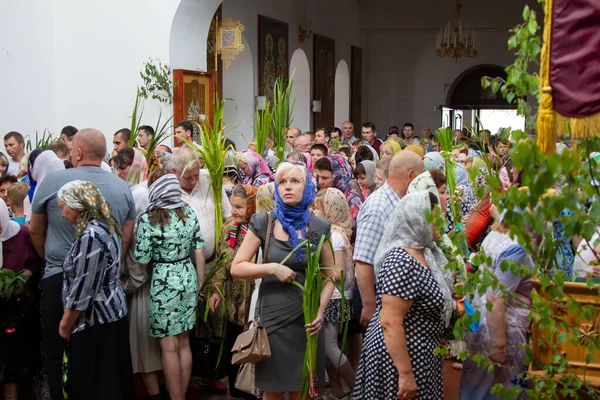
(189, 31)
(301, 90)
(342, 93)
(466, 91)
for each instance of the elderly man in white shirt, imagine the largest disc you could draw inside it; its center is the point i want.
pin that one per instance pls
(197, 192)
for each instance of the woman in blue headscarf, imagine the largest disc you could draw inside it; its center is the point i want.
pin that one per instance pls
(279, 302)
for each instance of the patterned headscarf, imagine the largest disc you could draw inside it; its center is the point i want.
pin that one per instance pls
(165, 194)
(257, 165)
(342, 179)
(295, 218)
(265, 198)
(85, 197)
(337, 212)
(409, 229)
(238, 231)
(424, 182)
(138, 171)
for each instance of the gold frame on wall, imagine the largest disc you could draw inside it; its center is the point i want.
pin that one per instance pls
(229, 40)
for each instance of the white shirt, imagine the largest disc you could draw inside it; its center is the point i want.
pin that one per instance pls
(337, 243)
(203, 203)
(13, 167)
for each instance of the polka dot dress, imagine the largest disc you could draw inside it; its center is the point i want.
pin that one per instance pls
(402, 276)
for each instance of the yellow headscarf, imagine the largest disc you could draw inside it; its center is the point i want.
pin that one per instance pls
(416, 149)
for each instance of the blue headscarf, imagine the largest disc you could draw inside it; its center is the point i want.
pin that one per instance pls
(30, 163)
(294, 218)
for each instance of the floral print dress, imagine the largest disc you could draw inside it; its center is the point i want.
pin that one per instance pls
(174, 287)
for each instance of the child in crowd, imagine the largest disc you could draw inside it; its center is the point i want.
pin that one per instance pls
(364, 174)
(318, 151)
(16, 194)
(382, 171)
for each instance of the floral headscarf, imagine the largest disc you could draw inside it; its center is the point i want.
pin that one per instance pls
(237, 231)
(342, 179)
(85, 197)
(257, 165)
(424, 182)
(138, 171)
(411, 230)
(265, 198)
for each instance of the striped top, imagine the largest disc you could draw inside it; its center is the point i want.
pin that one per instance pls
(92, 278)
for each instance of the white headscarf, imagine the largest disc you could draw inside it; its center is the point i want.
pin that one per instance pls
(409, 228)
(9, 228)
(46, 163)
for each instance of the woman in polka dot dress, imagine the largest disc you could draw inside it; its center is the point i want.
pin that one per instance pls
(414, 304)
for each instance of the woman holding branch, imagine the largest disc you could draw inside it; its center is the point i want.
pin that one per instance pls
(280, 303)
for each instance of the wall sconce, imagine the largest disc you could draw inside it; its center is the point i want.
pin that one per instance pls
(316, 106)
(261, 103)
(305, 29)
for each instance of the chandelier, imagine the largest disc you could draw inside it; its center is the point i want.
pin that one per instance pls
(455, 40)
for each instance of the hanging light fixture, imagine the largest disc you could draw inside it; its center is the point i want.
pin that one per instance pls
(455, 40)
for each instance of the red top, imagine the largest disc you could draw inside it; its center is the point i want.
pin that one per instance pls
(19, 254)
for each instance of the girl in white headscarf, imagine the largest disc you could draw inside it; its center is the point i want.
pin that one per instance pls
(414, 305)
(45, 164)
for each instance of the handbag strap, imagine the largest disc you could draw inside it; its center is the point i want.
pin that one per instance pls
(265, 250)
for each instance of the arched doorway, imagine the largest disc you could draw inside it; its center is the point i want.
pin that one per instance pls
(301, 90)
(238, 85)
(189, 30)
(342, 93)
(468, 104)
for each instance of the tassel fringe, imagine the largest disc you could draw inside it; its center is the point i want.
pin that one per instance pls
(546, 127)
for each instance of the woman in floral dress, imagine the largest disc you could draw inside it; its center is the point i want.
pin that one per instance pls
(167, 233)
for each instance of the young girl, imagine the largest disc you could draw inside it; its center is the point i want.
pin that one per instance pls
(365, 176)
(331, 204)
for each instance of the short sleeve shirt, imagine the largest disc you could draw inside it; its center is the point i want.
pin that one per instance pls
(372, 220)
(60, 234)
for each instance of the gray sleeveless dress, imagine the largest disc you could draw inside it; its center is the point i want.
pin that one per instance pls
(280, 308)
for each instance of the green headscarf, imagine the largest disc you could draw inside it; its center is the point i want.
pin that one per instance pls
(85, 197)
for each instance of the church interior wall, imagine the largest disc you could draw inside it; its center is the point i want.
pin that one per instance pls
(403, 78)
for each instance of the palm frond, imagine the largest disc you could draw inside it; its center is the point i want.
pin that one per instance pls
(283, 112)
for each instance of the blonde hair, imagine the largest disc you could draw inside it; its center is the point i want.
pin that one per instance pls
(16, 193)
(286, 168)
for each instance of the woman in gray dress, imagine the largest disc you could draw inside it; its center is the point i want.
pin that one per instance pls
(280, 303)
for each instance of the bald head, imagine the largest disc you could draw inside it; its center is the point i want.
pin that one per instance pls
(404, 167)
(89, 148)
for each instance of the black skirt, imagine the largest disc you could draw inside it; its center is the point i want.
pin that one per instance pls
(101, 363)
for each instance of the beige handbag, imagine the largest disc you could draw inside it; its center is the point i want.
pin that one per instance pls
(245, 379)
(252, 345)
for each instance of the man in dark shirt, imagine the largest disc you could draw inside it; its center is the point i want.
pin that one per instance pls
(369, 132)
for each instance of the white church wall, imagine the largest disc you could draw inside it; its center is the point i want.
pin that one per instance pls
(70, 62)
(403, 78)
(337, 19)
(27, 67)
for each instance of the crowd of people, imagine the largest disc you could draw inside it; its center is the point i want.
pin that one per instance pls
(115, 248)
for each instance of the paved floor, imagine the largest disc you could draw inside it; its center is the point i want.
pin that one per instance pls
(451, 386)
